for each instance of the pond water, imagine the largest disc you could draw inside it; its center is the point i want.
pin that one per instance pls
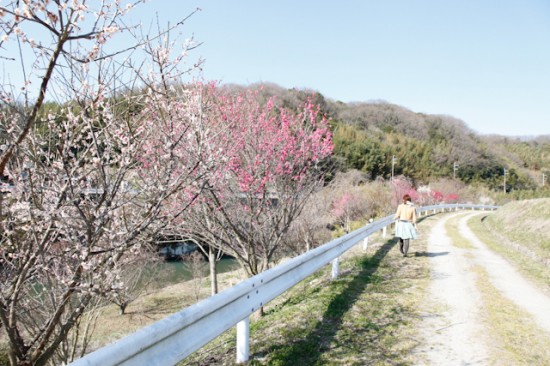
(178, 271)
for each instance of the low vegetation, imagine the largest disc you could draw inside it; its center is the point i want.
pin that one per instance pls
(526, 222)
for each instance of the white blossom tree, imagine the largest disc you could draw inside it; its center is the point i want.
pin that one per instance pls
(87, 174)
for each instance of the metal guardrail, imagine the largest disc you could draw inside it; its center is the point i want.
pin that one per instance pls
(172, 339)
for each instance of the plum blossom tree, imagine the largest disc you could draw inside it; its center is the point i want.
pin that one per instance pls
(85, 184)
(271, 168)
(402, 185)
(349, 206)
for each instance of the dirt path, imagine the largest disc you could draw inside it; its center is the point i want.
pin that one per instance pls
(452, 332)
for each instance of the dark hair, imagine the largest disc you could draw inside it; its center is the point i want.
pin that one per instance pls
(406, 198)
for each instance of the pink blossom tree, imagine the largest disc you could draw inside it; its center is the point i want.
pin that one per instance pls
(86, 180)
(437, 196)
(401, 186)
(272, 165)
(451, 198)
(349, 206)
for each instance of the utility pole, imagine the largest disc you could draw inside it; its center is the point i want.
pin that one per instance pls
(505, 174)
(455, 168)
(393, 162)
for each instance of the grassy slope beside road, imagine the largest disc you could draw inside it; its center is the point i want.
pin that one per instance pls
(520, 232)
(365, 317)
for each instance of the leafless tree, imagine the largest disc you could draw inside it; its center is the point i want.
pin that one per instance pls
(195, 264)
(139, 277)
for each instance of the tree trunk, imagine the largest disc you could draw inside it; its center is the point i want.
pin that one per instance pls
(213, 272)
(123, 308)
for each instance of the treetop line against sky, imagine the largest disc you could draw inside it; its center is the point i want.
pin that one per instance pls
(485, 62)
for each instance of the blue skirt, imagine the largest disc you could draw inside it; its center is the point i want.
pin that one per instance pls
(405, 230)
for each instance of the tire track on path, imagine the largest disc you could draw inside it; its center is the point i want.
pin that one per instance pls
(508, 281)
(451, 331)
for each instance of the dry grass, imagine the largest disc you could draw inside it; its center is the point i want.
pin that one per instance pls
(526, 222)
(148, 309)
(515, 335)
(451, 226)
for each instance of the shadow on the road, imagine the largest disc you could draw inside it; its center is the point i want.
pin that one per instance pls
(309, 350)
(430, 254)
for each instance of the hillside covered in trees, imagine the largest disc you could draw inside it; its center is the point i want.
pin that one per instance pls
(367, 135)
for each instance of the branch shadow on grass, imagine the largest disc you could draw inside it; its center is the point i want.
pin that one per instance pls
(308, 351)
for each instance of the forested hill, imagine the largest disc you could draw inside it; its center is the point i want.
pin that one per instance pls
(367, 135)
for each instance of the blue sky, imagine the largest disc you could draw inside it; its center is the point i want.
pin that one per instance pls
(486, 62)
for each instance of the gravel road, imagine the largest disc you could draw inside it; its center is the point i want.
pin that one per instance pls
(451, 332)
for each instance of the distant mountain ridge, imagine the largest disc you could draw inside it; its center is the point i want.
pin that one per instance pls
(368, 135)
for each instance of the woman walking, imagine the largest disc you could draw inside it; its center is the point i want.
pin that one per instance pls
(405, 224)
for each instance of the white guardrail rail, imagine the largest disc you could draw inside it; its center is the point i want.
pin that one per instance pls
(172, 339)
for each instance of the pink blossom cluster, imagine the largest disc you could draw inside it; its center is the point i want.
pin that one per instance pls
(424, 195)
(264, 143)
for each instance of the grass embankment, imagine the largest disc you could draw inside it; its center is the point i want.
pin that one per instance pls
(366, 316)
(520, 232)
(515, 337)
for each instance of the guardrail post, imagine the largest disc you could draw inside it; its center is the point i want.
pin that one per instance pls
(335, 268)
(384, 231)
(366, 243)
(243, 340)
